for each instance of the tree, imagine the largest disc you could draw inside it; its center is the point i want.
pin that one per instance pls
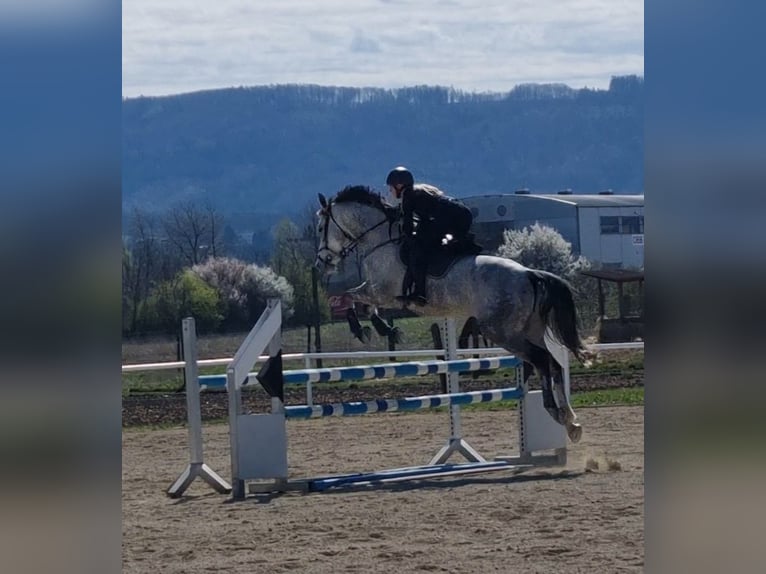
(183, 296)
(261, 284)
(320, 308)
(141, 262)
(542, 247)
(235, 246)
(195, 232)
(127, 291)
(243, 289)
(293, 257)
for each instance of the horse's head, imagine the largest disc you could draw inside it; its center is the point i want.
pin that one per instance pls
(330, 244)
(346, 221)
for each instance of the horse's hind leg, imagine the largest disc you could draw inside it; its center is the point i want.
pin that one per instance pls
(554, 397)
(567, 416)
(540, 359)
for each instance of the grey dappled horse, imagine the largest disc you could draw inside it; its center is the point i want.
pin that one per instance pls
(512, 304)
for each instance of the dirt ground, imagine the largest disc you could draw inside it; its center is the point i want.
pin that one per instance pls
(585, 518)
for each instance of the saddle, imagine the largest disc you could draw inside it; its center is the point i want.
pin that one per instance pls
(441, 259)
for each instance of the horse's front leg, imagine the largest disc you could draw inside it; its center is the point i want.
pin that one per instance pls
(383, 328)
(361, 333)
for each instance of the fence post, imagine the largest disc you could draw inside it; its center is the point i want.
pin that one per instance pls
(391, 339)
(436, 335)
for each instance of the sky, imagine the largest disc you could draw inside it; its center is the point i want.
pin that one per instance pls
(179, 46)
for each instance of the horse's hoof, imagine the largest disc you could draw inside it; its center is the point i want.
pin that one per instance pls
(574, 431)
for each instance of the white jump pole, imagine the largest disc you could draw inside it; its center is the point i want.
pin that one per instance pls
(196, 467)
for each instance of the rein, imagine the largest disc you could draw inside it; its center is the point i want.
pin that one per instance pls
(353, 243)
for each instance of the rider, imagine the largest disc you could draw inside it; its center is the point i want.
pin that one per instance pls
(429, 216)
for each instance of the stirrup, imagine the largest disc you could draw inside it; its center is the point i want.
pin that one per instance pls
(419, 300)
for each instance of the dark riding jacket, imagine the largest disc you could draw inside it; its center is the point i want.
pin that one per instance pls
(433, 216)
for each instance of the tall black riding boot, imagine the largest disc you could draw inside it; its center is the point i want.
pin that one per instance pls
(419, 295)
(406, 286)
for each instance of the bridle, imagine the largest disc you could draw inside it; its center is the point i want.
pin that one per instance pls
(353, 242)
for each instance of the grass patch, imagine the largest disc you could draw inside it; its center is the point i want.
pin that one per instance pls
(633, 396)
(630, 397)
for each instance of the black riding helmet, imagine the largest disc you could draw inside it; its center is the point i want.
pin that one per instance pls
(400, 176)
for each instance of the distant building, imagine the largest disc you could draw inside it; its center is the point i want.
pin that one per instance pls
(606, 228)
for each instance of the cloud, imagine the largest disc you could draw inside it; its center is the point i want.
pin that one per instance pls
(361, 43)
(488, 46)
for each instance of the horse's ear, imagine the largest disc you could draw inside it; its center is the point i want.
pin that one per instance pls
(322, 201)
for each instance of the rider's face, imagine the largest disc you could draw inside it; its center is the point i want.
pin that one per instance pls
(396, 190)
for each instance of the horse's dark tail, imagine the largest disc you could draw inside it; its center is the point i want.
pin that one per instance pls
(554, 294)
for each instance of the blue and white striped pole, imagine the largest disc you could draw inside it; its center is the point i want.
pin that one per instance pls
(384, 371)
(405, 404)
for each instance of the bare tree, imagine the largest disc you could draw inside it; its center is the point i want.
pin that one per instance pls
(141, 261)
(311, 239)
(216, 231)
(295, 247)
(195, 233)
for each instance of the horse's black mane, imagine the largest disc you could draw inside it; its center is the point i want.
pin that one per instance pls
(362, 194)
